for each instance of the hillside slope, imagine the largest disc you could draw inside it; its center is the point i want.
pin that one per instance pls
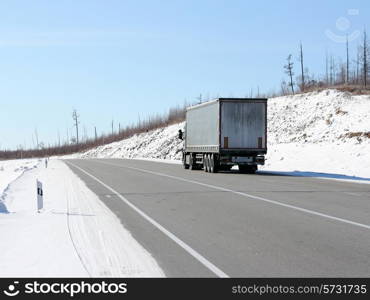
(161, 143)
(327, 131)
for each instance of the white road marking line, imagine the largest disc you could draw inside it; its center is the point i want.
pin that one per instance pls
(108, 196)
(169, 234)
(308, 211)
(353, 194)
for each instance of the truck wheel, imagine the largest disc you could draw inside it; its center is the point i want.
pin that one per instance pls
(242, 169)
(191, 162)
(205, 162)
(213, 163)
(184, 164)
(254, 169)
(247, 169)
(225, 168)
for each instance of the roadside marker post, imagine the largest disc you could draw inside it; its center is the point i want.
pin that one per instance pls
(40, 196)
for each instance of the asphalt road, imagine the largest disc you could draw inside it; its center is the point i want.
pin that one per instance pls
(197, 224)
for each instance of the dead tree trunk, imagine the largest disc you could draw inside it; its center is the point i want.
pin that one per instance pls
(364, 59)
(347, 65)
(289, 70)
(302, 71)
(75, 117)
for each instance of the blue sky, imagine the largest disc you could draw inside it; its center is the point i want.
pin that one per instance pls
(121, 59)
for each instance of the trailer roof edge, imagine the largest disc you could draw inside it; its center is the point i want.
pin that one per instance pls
(224, 99)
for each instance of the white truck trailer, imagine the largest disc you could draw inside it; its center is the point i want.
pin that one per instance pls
(226, 132)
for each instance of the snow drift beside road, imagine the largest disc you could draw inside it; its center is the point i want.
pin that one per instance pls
(76, 235)
(10, 170)
(327, 131)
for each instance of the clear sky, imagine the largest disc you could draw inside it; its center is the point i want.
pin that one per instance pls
(121, 59)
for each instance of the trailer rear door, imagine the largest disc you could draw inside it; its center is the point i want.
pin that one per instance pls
(243, 124)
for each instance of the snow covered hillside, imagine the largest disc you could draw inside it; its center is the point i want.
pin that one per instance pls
(75, 235)
(327, 131)
(160, 143)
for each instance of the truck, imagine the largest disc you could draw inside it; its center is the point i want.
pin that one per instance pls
(225, 132)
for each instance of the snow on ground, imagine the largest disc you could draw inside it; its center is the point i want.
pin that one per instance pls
(11, 169)
(343, 161)
(321, 132)
(161, 143)
(326, 131)
(75, 235)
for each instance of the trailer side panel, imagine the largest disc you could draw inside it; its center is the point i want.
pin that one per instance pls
(202, 128)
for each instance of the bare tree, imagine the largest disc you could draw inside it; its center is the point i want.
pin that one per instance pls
(347, 64)
(342, 73)
(283, 87)
(302, 69)
(289, 71)
(37, 138)
(68, 141)
(75, 117)
(332, 70)
(364, 58)
(85, 134)
(358, 65)
(33, 141)
(327, 68)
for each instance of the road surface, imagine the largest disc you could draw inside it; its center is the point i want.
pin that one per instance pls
(197, 224)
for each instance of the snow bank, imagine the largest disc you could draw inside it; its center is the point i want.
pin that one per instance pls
(75, 236)
(334, 160)
(10, 170)
(327, 131)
